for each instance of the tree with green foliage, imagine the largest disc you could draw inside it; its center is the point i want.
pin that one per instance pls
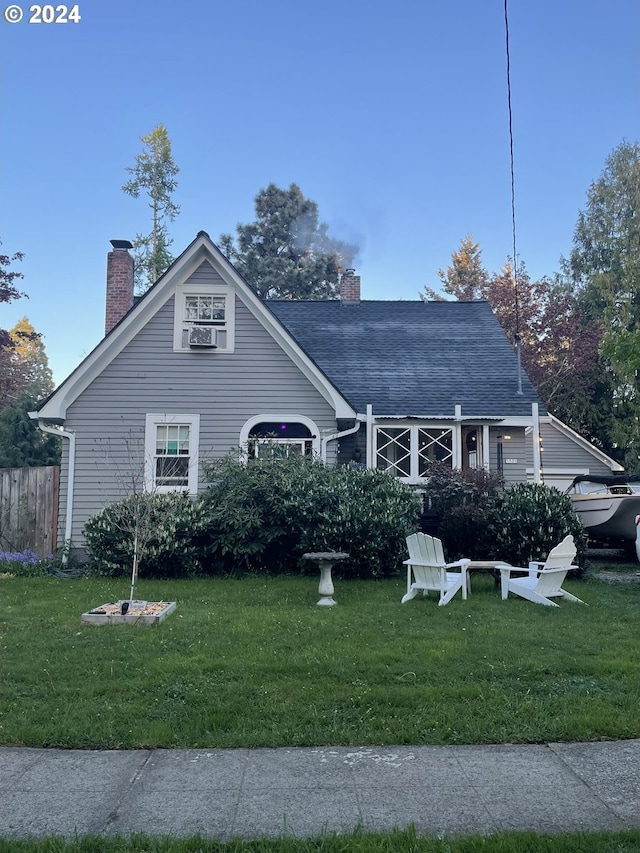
(22, 444)
(25, 367)
(605, 266)
(29, 354)
(8, 293)
(559, 345)
(154, 175)
(287, 253)
(465, 279)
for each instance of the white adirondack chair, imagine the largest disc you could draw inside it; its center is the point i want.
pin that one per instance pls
(543, 580)
(430, 571)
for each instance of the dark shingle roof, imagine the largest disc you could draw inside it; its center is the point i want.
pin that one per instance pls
(412, 359)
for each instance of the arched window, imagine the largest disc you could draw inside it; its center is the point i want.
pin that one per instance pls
(279, 440)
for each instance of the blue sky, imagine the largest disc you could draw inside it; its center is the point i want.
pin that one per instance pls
(392, 116)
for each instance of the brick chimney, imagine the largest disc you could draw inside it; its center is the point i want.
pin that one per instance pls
(119, 283)
(350, 288)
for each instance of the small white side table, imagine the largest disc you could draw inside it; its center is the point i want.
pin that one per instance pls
(326, 561)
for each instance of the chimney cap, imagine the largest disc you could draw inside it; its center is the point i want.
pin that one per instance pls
(349, 271)
(121, 244)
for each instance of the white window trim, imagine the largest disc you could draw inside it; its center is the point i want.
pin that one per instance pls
(152, 420)
(269, 418)
(414, 465)
(179, 314)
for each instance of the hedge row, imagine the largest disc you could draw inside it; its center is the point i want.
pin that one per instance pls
(263, 516)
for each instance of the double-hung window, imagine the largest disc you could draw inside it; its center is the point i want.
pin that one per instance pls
(171, 453)
(204, 318)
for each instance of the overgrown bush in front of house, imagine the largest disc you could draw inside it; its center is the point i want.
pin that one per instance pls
(530, 519)
(366, 513)
(264, 515)
(464, 503)
(481, 519)
(160, 527)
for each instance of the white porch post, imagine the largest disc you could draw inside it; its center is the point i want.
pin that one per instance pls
(370, 437)
(485, 447)
(457, 437)
(536, 443)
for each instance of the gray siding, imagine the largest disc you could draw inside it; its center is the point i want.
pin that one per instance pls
(515, 453)
(147, 376)
(562, 458)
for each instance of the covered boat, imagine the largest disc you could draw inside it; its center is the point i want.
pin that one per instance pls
(607, 505)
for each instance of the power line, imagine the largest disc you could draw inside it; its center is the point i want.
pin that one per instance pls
(513, 200)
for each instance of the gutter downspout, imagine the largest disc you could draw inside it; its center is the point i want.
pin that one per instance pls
(68, 520)
(334, 435)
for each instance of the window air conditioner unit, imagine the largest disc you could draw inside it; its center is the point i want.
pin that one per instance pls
(203, 336)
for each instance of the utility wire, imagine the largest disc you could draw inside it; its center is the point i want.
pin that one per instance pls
(513, 200)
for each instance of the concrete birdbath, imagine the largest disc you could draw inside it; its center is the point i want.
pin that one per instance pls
(326, 561)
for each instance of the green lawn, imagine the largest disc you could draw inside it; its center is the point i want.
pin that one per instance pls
(253, 662)
(404, 841)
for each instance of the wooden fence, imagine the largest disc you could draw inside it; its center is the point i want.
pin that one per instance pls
(29, 509)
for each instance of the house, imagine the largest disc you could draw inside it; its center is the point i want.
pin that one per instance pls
(200, 366)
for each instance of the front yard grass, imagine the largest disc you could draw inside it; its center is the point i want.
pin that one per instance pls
(398, 841)
(253, 662)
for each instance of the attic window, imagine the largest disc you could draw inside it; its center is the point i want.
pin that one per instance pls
(204, 318)
(205, 309)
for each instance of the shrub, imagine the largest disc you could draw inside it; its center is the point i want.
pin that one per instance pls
(366, 513)
(530, 519)
(161, 524)
(463, 502)
(480, 519)
(264, 515)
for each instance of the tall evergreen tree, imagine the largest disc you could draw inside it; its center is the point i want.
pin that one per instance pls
(8, 293)
(287, 253)
(154, 174)
(31, 359)
(22, 444)
(605, 264)
(465, 279)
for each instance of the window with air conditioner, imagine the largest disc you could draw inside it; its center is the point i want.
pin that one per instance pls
(204, 319)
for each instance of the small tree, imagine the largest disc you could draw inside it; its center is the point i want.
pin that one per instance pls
(144, 529)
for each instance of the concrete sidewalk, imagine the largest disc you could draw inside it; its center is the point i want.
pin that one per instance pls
(246, 793)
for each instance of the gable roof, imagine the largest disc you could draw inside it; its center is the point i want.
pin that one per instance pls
(412, 359)
(406, 359)
(200, 250)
